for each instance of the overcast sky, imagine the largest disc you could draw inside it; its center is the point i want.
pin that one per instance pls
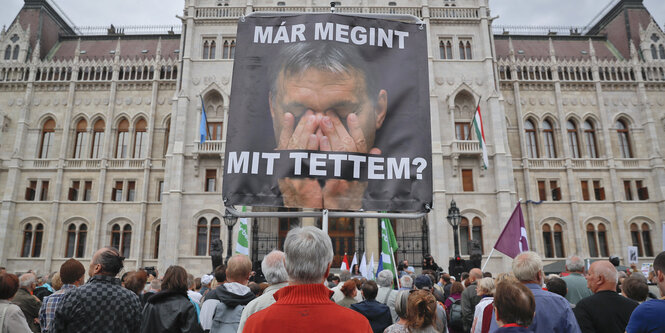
(152, 12)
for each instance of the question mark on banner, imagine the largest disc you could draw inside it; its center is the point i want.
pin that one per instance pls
(422, 164)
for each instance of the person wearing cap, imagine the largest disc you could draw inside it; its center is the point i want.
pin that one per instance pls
(423, 282)
(72, 274)
(378, 314)
(205, 285)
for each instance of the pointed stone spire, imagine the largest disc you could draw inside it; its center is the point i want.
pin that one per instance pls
(551, 45)
(592, 50)
(159, 49)
(510, 46)
(36, 52)
(77, 52)
(633, 51)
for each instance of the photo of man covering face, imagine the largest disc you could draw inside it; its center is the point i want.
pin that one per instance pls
(323, 98)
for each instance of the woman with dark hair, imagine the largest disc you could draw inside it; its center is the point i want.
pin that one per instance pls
(350, 291)
(14, 320)
(170, 309)
(421, 312)
(355, 271)
(454, 303)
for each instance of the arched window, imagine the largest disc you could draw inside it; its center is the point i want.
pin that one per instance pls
(468, 50)
(97, 139)
(76, 237)
(590, 139)
(71, 241)
(213, 46)
(15, 54)
(123, 139)
(155, 250)
(461, 51)
(140, 139)
(81, 138)
(624, 139)
(206, 50)
(202, 237)
(591, 239)
(597, 239)
(446, 49)
(126, 240)
(602, 240)
(646, 240)
(477, 232)
(215, 231)
(32, 240)
(115, 236)
(654, 54)
(572, 139)
(8, 52)
(641, 237)
(661, 51)
(548, 133)
(531, 142)
(48, 132)
(233, 50)
(464, 236)
(553, 241)
(167, 132)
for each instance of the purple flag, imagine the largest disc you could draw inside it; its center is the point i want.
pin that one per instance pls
(512, 240)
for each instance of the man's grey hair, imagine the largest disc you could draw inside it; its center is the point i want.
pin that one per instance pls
(156, 284)
(574, 264)
(26, 280)
(330, 57)
(527, 265)
(308, 254)
(406, 281)
(385, 278)
(273, 267)
(344, 275)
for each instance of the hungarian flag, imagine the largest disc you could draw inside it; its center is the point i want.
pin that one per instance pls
(345, 263)
(242, 242)
(512, 240)
(477, 124)
(388, 245)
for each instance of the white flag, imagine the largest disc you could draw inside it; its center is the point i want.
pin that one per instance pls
(354, 261)
(371, 267)
(242, 242)
(363, 267)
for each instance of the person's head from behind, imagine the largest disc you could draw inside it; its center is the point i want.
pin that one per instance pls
(56, 282)
(456, 288)
(27, 281)
(106, 261)
(602, 276)
(575, 264)
(528, 267)
(557, 285)
(401, 303)
(635, 288)
(273, 267)
(330, 79)
(349, 288)
(370, 289)
(72, 272)
(485, 287)
(344, 275)
(238, 269)
(475, 274)
(445, 278)
(406, 281)
(175, 279)
(135, 281)
(220, 273)
(421, 309)
(385, 278)
(423, 282)
(8, 285)
(659, 272)
(513, 304)
(156, 285)
(309, 254)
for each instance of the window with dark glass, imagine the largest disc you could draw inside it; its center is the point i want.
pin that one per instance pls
(598, 191)
(70, 245)
(646, 240)
(202, 237)
(97, 139)
(116, 192)
(636, 238)
(27, 240)
(572, 139)
(8, 52)
(140, 139)
(602, 241)
(155, 249)
(126, 240)
(590, 139)
(547, 241)
(558, 241)
(32, 240)
(31, 191)
(43, 196)
(556, 190)
(115, 236)
(48, 132)
(15, 53)
(626, 190)
(477, 232)
(166, 136)
(445, 49)
(531, 142)
(74, 191)
(75, 246)
(122, 140)
(87, 191)
(591, 239)
(160, 189)
(464, 236)
(131, 190)
(211, 176)
(80, 139)
(642, 190)
(462, 130)
(624, 139)
(548, 133)
(229, 48)
(215, 231)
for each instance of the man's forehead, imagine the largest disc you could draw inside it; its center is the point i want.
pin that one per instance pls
(322, 78)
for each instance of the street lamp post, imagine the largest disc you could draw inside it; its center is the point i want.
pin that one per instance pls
(230, 221)
(454, 219)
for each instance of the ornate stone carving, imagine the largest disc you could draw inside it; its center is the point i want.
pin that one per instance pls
(439, 80)
(196, 81)
(161, 101)
(128, 101)
(138, 100)
(450, 81)
(225, 80)
(87, 101)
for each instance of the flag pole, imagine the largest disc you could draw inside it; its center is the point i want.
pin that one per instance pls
(392, 258)
(488, 260)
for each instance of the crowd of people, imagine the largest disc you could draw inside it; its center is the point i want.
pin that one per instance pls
(300, 294)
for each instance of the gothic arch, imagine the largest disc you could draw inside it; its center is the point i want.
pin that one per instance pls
(623, 116)
(470, 212)
(43, 118)
(206, 212)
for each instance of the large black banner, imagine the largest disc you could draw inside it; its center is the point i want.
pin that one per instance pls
(329, 111)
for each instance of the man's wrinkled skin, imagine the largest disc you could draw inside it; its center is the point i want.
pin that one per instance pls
(333, 114)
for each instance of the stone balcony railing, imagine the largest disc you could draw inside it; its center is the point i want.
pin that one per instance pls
(211, 147)
(83, 163)
(466, 147)
(455, 13)
(126, 163)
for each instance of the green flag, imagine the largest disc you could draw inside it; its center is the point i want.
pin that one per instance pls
(388, 245)
(242, 244)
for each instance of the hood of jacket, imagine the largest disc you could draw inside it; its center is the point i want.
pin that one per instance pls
(232, 299)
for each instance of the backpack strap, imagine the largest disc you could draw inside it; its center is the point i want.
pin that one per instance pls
(385, 300)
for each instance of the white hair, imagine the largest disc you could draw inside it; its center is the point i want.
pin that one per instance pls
(406, 281)
(308, 254)
(527, 265)
(575, 264)
(486, 285)
(385, 278)
(26, 280)
(273, 267)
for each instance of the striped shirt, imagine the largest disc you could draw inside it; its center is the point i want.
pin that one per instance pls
(47, 311)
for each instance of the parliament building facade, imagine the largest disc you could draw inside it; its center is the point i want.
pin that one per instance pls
(99, 136)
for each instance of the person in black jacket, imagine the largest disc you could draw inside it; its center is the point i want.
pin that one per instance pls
(378, 314)
(170, 310)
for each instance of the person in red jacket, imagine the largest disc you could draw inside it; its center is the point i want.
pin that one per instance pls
(304, 305)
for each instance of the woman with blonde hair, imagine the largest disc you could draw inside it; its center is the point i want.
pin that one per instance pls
(421, 312)
(482, 317)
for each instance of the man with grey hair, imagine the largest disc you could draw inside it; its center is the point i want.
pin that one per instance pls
(470, 298)
(605, 310)
(304, 305)
(553, 313)
(386, 294)
(575, 281)
(274, 270)
(25, 300)
(324, 98)
(406, 282)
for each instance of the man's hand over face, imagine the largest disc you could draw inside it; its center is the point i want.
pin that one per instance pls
(300, 192)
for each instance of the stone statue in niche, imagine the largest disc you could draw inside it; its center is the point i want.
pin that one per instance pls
(217, 253)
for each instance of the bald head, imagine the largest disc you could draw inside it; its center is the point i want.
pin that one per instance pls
(602, 276)
(238, 269)
(475, 274)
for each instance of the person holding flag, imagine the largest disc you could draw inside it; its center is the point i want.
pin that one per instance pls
(512, 240)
